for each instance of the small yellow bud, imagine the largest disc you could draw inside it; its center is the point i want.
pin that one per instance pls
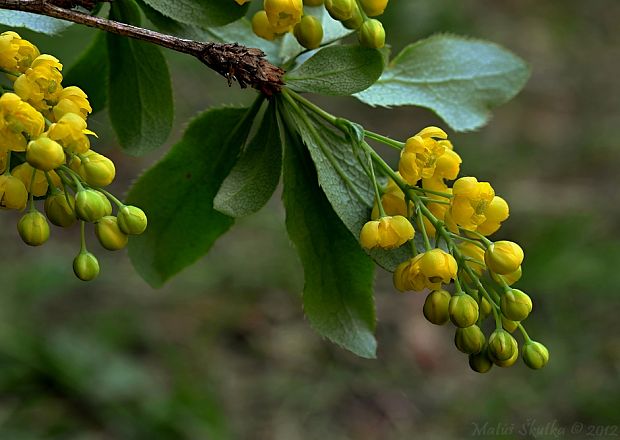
(463, 310)
(386, 233)
(96, 169)
(60, 209)
(356, 20)
(508, 362)
(131, 220)
(469, 340)
(340, 9)
(109, 234)
(502, 346)
(515, 305)
(372, 8)
(309, 32)
(503, 257)
(86, 266)
(13, 193)
(510, 278)
(91, 205)
(535, 355)
(509, 326)
(45, 154)
(480, 362)
(262, 27)
(371, 34)
(436, 307)
(33, 228)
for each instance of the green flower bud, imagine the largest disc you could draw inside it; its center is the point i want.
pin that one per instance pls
(109, 234)
(515, 305)
(86, 266)
(96, 169)
(509, 326)
(508, 362)
(436, 307)
(371, 34)
(356, 20)
(502, 346)
(91, 205)
(480, 362)
(469, 340)
(131, 220)
(340, 9)
(503, 257)
(60, 210)
(33, 228)
(509, 279)
(372, 8)
(463, 310)
(45, 154)
(309, 32)
(535, 355)
(485, 308)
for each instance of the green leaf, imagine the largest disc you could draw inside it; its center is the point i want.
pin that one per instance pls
(34, 22)
(90, 72)
(177, 194)
(338, 298)
(140, 94)
(255, 176)
(343, 178)
(202, 13)
(337, 70)
(460, 79)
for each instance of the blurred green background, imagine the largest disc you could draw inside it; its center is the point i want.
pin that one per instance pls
(223, 351)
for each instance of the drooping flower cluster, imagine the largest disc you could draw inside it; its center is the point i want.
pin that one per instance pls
(279, 17)
(457, 220)
(45, 155)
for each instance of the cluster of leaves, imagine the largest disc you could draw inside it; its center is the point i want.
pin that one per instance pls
(212, 176)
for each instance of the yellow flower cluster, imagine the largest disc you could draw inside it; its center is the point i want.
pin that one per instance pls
(279, 17)
(459, 219)
(45, 154)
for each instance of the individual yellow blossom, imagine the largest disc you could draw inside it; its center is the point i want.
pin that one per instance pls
(70, 132)
(16, 54)
(19, 121)
(504, 257)
(39, 185)
(470, 202)
(495, 214)
(386, 233)
(283, 14)
(45, 154)
(72, 100)
(428, 270)
(40, 84)
(418, 159)
(13, 193)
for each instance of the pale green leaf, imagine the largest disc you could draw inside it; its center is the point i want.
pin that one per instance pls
(202, 13)
(34, 22)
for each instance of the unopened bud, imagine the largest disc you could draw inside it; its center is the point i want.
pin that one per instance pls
(86, 266)
(480, 362)
(60, 210)
(515, 305)
(340, 9)
(469, 340)
(436, 307)
(503, 257)
(535, 355)
(109, 234)
(309, 32)
(463, 310)
(91, 205)
(371, 34)
(502, 346)
(372, 8)
(45, 154)
(33, 228)
(96, 169)
(131, 220)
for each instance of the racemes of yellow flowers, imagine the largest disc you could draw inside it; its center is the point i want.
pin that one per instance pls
(45, 153)
(279, 17)
(451, 224)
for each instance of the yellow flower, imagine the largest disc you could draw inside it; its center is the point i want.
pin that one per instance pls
(72, 100)
(504, 257)
(45, 154)
(283, 14)
(39, 186)
(418, 159)
(96, 169)
(13, 193)
(70, 132)
(18, 122)
(470, 202)
(426, 271)
(16, 54)
(372, 8)
(495, 214)
(40, 84)
(386, 233)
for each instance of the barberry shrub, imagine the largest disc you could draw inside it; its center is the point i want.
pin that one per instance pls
(347, 209)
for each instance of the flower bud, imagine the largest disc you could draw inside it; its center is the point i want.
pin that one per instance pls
(480, 362)
(509, 325)
(371, 34)
(13, 192)
(436, 307)
(309, 32)
(60, 209)
(508, 362)
(96, 169)
(109, 234)
(262, 27)
(502, 346)
(515, 305)
(463, 310)
(469, 340)
(340, 9)
(45, 154)
(485, 308)
(372, 8)
(86, 266)
(356, 20)
(510, 278)
(535, 355)
(503, 257)
(91, 205)
(33, 228)
(131, 220)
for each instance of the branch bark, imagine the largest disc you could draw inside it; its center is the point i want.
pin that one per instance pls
(235, 62)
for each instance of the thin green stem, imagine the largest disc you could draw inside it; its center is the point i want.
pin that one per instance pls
(376, 187)
(82, 237)
(524, 333)
(420, 221)
(110, 196)
(7, 171)
(384, 139)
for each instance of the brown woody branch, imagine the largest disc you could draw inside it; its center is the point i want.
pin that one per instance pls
(235, 62)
